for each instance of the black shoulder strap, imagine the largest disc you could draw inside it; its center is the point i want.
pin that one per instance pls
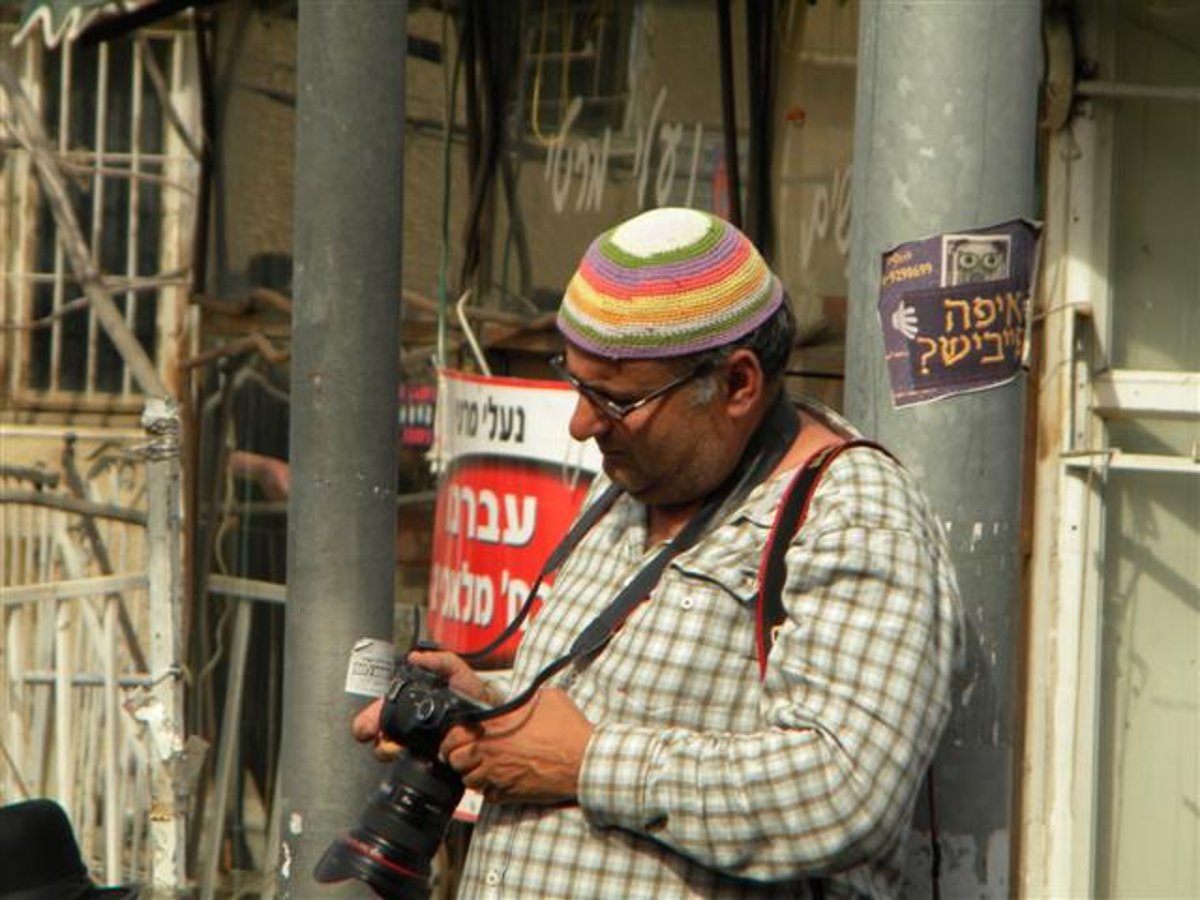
(583, 524)
(789, 517)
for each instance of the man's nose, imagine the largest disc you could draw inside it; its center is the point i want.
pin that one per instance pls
(587, 421)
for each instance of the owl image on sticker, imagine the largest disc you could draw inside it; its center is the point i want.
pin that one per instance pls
(974, 258)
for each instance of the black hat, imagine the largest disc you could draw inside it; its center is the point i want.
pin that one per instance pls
(39, 859)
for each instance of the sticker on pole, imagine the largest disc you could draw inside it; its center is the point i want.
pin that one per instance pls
(954, 310)
(370, 668)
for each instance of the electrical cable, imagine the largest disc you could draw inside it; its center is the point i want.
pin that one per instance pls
(733, 188)
(450, 89)
(535, 114)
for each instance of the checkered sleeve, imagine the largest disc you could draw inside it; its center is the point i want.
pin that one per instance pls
(856, 695)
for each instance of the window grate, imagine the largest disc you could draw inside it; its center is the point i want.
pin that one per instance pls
(131, 185)
(577, 49)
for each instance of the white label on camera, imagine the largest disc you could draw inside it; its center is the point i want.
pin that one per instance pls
(370, 667)
(469, 806)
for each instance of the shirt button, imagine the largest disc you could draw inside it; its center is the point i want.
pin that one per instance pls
(686, 603)
(492, 878)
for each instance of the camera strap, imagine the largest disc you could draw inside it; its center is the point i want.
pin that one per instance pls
(768, 445)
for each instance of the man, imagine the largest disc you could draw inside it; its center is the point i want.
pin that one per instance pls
(665, 765)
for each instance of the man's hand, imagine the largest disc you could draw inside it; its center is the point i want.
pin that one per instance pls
(531, 755)
(461, 678)
(366, 729)
(273, 476)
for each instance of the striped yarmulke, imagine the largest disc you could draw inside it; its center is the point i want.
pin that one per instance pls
(667, 282)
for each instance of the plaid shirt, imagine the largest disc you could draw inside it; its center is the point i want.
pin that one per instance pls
(701, 780)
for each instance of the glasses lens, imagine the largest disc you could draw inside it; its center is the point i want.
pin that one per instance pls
(613, 408)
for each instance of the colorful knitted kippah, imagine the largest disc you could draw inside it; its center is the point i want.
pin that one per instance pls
(667, 283)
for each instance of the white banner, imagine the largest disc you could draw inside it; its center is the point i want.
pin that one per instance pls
(515, 418)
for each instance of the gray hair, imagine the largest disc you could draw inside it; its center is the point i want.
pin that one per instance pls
(771, 342)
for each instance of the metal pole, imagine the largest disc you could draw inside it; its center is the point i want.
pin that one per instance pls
(945, 133)
(162, 710)
(342, 511)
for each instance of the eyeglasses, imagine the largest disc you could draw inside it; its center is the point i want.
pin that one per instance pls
(617, 409)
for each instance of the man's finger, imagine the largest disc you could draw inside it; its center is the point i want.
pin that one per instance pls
(464, 759)
(366, 723)
(437, 661)
(385, 750)
(458, 736)
(474, 779)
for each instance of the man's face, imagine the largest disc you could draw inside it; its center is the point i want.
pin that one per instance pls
(672, 451)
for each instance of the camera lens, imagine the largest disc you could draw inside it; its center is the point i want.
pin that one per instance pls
(392, 846)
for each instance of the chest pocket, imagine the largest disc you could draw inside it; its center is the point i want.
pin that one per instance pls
(708, 601)
(706, 597)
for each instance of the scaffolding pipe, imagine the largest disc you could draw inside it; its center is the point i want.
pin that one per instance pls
(342, 511)
(162, 711)
(1116, 90)
(945, 131)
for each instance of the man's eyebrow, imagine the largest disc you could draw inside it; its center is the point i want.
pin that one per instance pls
(603, 392)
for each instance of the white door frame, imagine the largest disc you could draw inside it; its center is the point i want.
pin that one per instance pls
(1077, 393)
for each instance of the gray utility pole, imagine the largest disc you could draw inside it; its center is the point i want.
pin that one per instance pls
(346, 319)
(945, 132)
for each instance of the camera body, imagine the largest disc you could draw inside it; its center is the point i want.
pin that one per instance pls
(392, 846)
(419, 708)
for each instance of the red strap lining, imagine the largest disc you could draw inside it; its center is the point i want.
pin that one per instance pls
(768, 616)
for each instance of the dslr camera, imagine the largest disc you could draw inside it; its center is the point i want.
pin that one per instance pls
(392, 845)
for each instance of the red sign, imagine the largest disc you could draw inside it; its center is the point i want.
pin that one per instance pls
(496, 524)
(512, 483)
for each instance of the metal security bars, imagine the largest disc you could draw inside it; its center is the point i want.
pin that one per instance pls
(577, 52)
(118, 116)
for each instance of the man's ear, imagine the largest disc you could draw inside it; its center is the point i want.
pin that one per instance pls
(745, 383)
